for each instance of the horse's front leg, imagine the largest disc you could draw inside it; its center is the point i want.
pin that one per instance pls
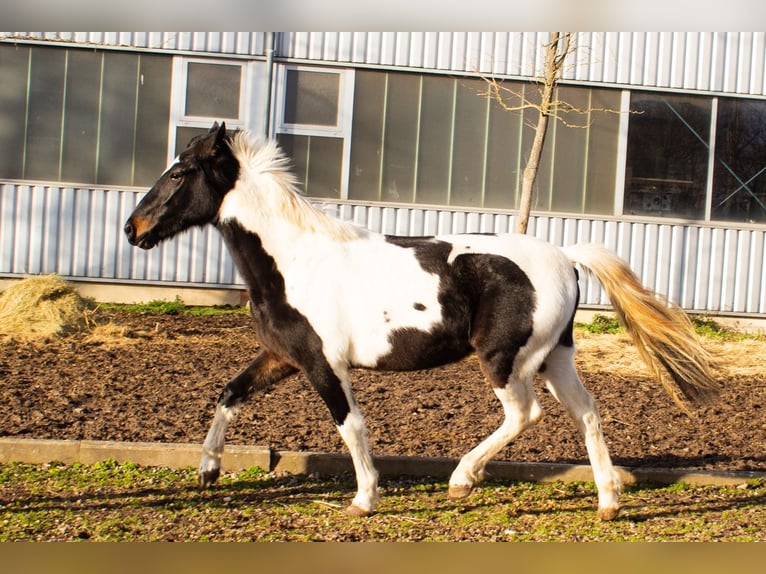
(335, 389)
(265, 370)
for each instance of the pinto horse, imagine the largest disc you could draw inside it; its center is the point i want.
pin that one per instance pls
(326, 296)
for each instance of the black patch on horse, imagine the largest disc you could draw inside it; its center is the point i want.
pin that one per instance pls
(279, 326)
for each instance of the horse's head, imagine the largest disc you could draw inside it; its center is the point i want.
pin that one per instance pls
(189, 193)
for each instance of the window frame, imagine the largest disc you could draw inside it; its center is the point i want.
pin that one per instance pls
(179, 118)
(342, 129)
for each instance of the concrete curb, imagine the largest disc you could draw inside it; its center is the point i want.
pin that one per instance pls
(237, 457)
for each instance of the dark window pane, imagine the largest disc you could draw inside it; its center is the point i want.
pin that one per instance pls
(81, 116)
(14, 66)
(184, 135)
(400, 142)
(667, 155)
(153, 117)
(504, 159)
(46, 95)
(366, 139)
(317, 162)
(89, 116)
(469, 144)
(603, 138)
(739, 180)
(435, 140)
(212, 90)
(118, 107)
(312, 98)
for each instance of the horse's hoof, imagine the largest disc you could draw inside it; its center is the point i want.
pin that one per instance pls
(357, 511)
(208, 477)
(607, 514)
(459, 490)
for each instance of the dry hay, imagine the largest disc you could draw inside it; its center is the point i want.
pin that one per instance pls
(42, 307)
(616, 355)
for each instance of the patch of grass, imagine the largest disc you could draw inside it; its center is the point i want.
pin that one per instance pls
(704, 326)
(108, 501)
(601, 325)
(176, 307)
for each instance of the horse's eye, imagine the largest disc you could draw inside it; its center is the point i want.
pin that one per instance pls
(177, 176)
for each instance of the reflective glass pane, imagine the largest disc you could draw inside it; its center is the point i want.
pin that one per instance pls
(400, 138)
(667, 156)
(212, 90)
(153, 111)
(739, 180)
(14, 67)
(367, 136)
(46, 94)
(117, 119)
(469, 144)
(317, 162)
(435, 139)
(311, 98)
(78, 156)
(184, 135)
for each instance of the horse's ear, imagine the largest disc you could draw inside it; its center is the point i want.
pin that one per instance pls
(213, 141)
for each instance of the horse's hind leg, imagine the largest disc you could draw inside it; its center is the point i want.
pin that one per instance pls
(510, 369)
(560, 376)
(264, 371)
(521, 411)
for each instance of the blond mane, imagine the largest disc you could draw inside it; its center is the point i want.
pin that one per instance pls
(266, 170)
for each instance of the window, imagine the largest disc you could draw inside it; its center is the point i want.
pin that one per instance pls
(739, 177)
(206, 91)
(83, 116)
(312, 128)
(435, 140)
(667, 155)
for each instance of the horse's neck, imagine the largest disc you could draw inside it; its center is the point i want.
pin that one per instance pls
(255, 260)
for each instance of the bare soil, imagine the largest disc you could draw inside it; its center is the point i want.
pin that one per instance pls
(160, 382)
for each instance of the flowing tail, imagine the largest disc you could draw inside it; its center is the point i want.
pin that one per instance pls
(661, 331)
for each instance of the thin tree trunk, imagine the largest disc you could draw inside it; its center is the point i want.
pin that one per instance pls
(530, 173)
(553, 62)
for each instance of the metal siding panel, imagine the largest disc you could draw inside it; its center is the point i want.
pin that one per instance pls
(717, 257)
(8, 225)
(677, 59)
(405, 45)
(34, 262)
(388, 221)
(755, 273)
(740, 286)
(729, 269)
(445, 223)
(51, 226)
(431, 222)
(373, 218)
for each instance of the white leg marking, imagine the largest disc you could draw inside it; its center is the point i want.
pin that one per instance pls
(212, 448)
(354, 434)
(561, 378)
(521, 411)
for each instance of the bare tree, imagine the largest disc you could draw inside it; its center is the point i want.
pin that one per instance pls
(556, 52)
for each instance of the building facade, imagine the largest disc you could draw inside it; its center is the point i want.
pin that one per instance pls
(663, 157)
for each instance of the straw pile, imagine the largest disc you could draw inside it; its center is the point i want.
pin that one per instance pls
(42, 307)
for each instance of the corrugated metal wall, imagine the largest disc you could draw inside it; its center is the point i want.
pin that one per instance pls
(77, 232)
(234, 43)
(725, 62)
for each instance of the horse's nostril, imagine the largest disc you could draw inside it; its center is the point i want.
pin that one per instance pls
(129, 231)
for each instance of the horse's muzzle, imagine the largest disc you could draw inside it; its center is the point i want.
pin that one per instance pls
(137, 235)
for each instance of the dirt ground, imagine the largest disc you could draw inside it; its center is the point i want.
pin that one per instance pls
(161, 382)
